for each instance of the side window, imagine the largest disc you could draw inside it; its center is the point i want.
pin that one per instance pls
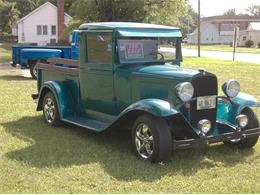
(53, 30)
(45, 30)
(99, 48)
(39, 30)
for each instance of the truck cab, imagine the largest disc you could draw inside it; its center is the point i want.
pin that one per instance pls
(129, 76)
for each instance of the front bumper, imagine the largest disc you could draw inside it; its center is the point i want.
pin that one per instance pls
(204, 140)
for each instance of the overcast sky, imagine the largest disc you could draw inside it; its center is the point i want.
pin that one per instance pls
(218, 7)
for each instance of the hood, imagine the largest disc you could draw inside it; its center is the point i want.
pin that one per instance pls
(169, 71)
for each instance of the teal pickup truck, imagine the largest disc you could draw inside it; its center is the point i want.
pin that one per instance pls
(27, 56)
(129, 77)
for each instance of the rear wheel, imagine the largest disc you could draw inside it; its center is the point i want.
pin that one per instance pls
(151, 139)
(247, 142)
(33, 69)
(50, 110)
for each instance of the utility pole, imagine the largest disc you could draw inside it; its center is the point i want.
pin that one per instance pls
(235, 42)
(198, 28)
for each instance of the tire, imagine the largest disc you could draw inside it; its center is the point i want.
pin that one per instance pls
(50, 110)
(152, 139)
(33, 70)
(247, 142)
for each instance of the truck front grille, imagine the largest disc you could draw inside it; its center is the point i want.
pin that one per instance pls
(203, 86)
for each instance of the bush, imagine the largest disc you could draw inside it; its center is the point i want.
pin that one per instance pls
(258, 45)
(249, 43)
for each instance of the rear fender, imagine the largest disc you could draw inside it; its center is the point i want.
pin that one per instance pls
(62, 95)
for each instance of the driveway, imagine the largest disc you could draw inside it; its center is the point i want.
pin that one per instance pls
(244, 57)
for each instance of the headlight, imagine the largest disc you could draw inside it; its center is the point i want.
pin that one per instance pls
(185, 91)
(231, 88)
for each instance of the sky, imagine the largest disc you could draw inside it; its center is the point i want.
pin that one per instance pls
(218, 7)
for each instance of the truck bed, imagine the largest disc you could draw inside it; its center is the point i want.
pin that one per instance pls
(16, 51)
(58, 69)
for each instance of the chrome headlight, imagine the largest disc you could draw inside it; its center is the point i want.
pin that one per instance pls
(231, 88)
(185, 91)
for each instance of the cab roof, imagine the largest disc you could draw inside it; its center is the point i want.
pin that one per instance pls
(122, 25)
(131, 29)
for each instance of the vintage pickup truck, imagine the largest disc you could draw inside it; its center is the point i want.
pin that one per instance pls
(27, 56)
(129, 77)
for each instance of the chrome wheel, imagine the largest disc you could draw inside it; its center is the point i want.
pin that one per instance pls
(49, 110)
(144, 141)
(35, 71)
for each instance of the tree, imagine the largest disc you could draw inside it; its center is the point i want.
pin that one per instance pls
(8, 15)
(230, 12)
(188, 22)
(151, 11)
(27, 6)
(254, 10)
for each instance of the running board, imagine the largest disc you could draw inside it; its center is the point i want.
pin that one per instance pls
(91, 124)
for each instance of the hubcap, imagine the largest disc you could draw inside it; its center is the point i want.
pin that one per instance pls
(49, 110)
(144, 140)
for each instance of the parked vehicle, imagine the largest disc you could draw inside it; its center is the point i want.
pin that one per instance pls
(129, 77)
(27, 56)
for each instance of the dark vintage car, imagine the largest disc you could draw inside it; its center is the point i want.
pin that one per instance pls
(129, 75)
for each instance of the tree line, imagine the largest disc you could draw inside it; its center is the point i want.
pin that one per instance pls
(169, 12)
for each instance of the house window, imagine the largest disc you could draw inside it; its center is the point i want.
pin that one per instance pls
(244, 38)
(39, 30)
(45, 30)
(53, 30)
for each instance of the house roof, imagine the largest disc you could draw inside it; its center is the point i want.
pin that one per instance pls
(254, 25)
(38, 8)
(121, 25)
(239, 17)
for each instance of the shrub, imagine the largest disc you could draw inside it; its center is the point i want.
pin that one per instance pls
(249, 43)
(258, 44)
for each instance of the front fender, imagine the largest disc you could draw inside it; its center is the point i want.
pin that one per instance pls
(155, 107)
(62, 95)
(229, 110)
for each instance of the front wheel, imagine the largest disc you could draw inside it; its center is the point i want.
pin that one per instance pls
(152, 139)
(50, 110)
(247, 142)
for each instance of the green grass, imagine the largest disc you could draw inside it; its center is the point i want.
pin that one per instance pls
(225, 48)
(35, 158)
(5, 52)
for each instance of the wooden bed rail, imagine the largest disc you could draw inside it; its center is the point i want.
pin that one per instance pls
(69, 67)
(70, 62)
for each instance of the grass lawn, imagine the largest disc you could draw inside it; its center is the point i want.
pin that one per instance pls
(225, 48)
(5, 52)
(35, 158)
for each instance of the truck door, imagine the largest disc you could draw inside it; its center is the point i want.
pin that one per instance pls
(96, 76)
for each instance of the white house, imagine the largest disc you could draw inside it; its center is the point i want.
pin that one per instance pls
(252, 33)
(220, 29)
(40, 26)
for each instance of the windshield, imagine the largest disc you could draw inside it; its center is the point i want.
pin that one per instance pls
(146, 49)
